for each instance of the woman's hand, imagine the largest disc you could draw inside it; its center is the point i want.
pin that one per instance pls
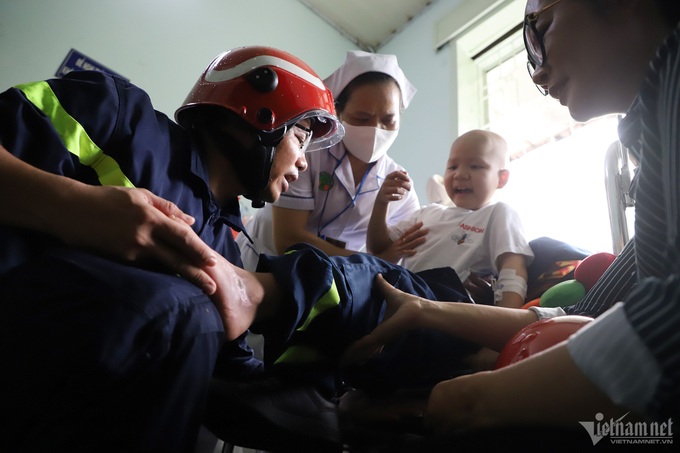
(456, 404)
(544, 389)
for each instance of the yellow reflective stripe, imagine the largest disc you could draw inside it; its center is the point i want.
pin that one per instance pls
(329, 300)
(299, 354)
(306, 354)
(74, 136)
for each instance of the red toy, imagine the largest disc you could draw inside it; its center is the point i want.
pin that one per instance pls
(592, 267)
(569, 292)
(539, 336)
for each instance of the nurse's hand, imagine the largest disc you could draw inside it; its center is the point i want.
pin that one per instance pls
(406, 245)
(137, 226)
(396, 185)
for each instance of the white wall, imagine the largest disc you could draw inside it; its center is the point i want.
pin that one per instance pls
(163, 45)
(160, 45)
(429, 125)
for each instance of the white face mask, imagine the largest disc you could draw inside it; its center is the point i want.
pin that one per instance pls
(368, 143)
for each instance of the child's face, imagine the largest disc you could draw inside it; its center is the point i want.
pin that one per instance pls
(473, 173)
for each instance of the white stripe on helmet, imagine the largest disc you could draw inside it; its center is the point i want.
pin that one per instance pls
(214, 75)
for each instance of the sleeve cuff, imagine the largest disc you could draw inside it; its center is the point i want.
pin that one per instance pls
(610, 353)
(547, 312)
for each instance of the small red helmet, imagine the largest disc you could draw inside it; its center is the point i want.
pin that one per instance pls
(269, 89)
(539, 336)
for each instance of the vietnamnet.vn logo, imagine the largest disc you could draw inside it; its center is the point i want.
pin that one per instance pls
(624, 432)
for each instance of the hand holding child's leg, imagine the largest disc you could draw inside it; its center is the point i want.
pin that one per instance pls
(241, 296)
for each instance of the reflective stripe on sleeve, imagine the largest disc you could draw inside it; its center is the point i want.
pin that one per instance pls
(329, 300)
(303, 353)
(74, 136)
(299, 354)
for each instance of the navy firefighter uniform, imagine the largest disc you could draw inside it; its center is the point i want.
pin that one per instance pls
(84, 339)
(70, 320)
(335, 303)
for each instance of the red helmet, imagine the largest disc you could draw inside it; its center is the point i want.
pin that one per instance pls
(539, 336)
(268, 88)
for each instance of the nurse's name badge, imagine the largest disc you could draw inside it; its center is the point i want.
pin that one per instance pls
(335, 242)
(325, 181)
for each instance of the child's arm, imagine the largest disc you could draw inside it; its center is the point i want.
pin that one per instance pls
(393, 188)
(515, 266)
(377, 238)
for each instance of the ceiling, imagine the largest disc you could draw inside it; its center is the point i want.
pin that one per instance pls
(370, 24)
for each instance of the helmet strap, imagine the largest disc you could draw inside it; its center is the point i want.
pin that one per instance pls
(252, 164)
(261, 166)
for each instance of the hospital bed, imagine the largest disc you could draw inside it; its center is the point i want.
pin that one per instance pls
(617, 183)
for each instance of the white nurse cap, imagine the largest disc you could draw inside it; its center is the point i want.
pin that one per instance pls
(358, 62)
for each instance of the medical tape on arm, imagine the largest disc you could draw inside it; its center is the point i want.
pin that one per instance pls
(509, 281)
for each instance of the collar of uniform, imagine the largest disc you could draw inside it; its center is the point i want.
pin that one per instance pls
(371, 181)
(198, 168)
(230, 213)
(338, 151)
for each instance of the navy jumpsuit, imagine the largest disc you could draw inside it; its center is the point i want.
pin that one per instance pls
(331, 302)
(111, 356)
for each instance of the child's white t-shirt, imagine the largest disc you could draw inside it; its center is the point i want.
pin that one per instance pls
(468, 241)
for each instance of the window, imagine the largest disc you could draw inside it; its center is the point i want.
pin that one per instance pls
(558, 165)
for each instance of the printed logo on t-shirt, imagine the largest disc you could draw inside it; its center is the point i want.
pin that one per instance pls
(461, 239)
(472, 228)
(466, 236)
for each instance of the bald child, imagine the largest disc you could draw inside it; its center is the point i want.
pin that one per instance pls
(476, 236)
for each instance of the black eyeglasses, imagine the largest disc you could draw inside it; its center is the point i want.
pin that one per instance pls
(274, 138)
(304, 142)
(533, 41)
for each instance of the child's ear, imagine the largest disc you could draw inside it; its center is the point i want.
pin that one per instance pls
(503, 176)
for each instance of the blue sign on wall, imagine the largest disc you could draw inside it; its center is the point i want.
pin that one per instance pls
(76, 61)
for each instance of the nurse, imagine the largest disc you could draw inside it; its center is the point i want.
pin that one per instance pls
(329, 206)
